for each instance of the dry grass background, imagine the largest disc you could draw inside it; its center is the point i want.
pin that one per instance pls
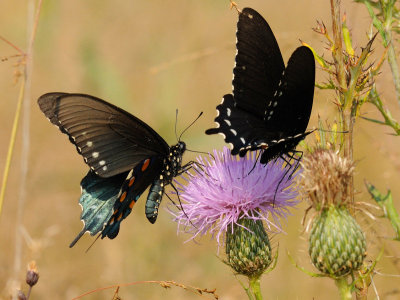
(151, 57)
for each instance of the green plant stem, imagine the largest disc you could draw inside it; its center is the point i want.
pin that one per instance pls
(346, 93)
(389, 121)
(392, 60)
(249, 294)
(344, 288)
(12, 143)
(385, 29)
(386, 203)
(255, 287)
(338, 47)
(338, 58)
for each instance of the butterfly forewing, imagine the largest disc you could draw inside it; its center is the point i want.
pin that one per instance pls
(258, 63)
(125, 155)
(240, 128)
(110, 139)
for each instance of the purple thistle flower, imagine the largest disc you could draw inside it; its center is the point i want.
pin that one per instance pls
(223, 191)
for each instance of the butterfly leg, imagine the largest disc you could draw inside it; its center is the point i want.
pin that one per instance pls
(180, 204)
(292, 155)
(189, 166)
(280, 181)
(186, 167)
(286, 159)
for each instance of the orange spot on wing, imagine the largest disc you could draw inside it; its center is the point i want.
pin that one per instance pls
(132, 204)
(111, 221)
(119, 217)
(145, 164)
(122, 198)
(131, 181)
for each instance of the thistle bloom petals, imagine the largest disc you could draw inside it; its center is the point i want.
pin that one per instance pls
(223, 190)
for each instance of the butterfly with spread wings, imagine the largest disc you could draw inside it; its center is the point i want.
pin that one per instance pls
(125, 156)
(270, 105)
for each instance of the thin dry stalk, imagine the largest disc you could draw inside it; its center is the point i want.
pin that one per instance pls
(24, 97)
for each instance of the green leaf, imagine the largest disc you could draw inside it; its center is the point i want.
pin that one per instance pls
(374, 121)
(326, 86)
(386, 203)
(318, 58)
(377, 23)
(347, 39)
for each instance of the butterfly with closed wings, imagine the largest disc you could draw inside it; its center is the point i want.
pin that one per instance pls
(270, 106)
(124, 154)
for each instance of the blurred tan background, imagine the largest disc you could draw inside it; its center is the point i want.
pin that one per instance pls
(150, 58)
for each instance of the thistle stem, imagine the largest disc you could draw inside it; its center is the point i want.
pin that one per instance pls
(389, 121)
(338, 46)
(255, 287)
(386, 203)
(395, 69)
(344, 288)
(29, 293)
(392, 60)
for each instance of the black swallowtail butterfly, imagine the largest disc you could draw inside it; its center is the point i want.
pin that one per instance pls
(124, 154)
(271, 105)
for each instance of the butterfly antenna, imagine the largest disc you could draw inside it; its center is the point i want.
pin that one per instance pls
(189, 126)
(202, 152)
(176, 122)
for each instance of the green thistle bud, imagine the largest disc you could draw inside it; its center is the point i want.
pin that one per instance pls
(337, 243)
(247, 248)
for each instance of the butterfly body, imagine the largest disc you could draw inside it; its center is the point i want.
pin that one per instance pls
(172, 168)
(270, 105)
(124, 154)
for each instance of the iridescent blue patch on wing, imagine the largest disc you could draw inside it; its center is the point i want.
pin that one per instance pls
(97, 201)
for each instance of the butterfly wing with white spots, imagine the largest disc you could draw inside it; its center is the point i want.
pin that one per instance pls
(125, 156)
(110, 139)
(271, 105)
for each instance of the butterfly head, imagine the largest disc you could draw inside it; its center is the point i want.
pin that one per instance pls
(181, 147)
(177, 151)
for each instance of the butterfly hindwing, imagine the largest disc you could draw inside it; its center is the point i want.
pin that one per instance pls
(110, 139)
(125, 156)
(135, 184)
(239, 128)
(297, 92)
(97, 201)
